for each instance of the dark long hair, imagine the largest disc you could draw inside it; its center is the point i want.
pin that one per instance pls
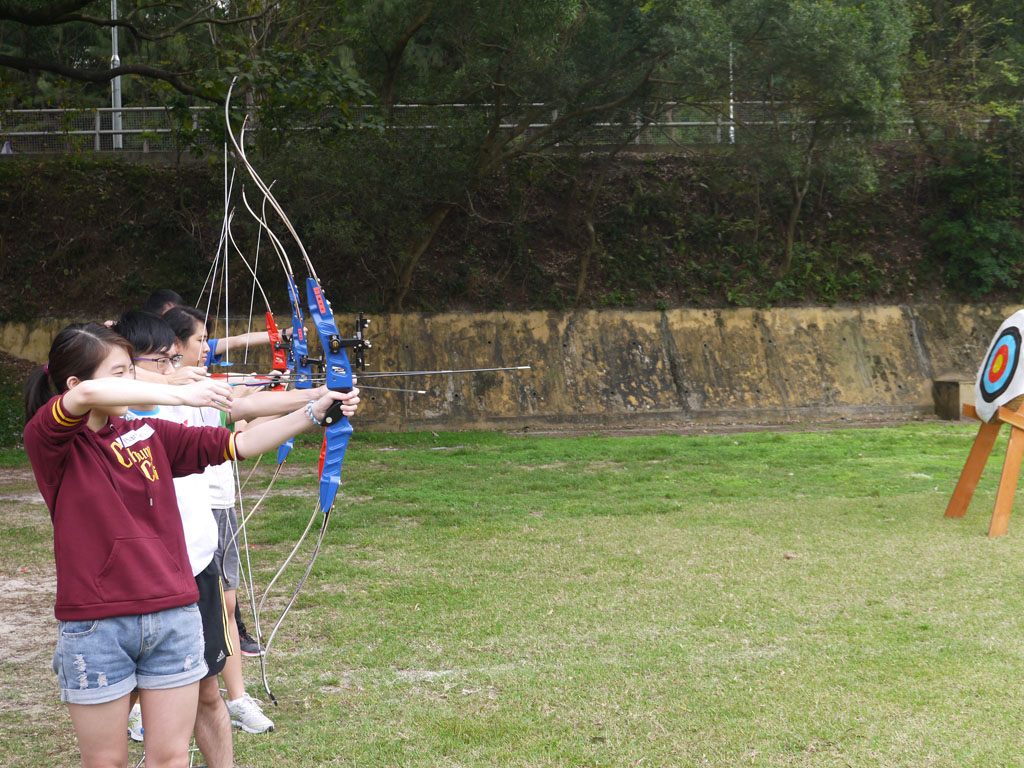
(183, 321)
(77, 351)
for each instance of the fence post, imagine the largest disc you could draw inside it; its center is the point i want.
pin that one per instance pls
(96, 143)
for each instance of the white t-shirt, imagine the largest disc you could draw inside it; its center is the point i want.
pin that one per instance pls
(221, 477)
(193, 494)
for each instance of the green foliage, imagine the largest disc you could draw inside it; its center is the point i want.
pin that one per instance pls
(975, 235)
(365, 194)
(827, 77)
(12, 410)
(965, 66)
(90, 235)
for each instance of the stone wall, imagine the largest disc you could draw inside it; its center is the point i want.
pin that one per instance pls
(683, 367)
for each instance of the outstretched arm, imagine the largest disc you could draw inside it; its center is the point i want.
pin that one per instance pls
(253, 339)
(268, 435)
(257, 404)
(116, 391)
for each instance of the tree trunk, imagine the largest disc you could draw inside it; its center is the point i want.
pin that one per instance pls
(799, 193)
(586, 257)
(413, 252)
(394, 58)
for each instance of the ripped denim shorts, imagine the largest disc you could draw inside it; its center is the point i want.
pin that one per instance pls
(102, 660)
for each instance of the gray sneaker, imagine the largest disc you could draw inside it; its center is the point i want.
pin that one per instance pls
(247, 645)
(135, 729)
(247, 715)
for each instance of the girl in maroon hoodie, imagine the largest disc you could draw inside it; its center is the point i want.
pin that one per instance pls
(125, 593)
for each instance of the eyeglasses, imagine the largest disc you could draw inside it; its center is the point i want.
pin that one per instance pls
(163, 362)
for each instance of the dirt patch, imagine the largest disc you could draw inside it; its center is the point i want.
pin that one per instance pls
(689, 428)
(27, 622)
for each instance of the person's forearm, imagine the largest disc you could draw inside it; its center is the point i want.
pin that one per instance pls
(272, 403)
(268, 435)
(116, 392)
(230, 343)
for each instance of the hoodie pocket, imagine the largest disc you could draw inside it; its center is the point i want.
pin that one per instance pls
(139, 569)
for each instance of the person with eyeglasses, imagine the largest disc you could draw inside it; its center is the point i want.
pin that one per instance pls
(189, 326)
(123, 568)
(210, 522)
(164, 363)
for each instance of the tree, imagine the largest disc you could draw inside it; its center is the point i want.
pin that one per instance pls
(503, 80)
(65, 38)
(825, 76)
(965, 67)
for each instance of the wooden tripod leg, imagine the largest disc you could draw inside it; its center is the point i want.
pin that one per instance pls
(1007, 483)
(971, 473)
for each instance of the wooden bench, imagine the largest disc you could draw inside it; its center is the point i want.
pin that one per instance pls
(950, 394)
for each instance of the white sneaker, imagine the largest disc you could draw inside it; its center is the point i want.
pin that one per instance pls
(247, 715)
(135, 729)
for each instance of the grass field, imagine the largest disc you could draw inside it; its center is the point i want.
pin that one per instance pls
(770, 599)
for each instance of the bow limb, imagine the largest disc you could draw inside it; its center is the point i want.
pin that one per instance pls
(280, 362)
(297, 355)
(262, 185)
(337, 369)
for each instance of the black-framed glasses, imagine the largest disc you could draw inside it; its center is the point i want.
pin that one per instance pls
(163, 362)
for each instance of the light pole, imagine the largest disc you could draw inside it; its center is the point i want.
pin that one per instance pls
(732, 102)
(115, 82)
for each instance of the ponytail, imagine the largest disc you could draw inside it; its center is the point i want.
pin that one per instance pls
(77, 351)
(37, 391)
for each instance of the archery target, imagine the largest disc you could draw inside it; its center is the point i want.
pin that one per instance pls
(1000, 365)
(1000, 378)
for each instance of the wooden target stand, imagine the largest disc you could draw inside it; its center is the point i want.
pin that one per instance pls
(1013, 414)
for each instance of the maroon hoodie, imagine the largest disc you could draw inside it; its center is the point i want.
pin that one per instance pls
(117, 536)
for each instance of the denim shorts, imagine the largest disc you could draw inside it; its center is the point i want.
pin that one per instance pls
(102, 660)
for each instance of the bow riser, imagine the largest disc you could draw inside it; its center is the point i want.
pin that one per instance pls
(338, 373)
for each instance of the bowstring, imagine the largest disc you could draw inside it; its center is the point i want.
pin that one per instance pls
(286, 265)
(246, 578)
(269, 198)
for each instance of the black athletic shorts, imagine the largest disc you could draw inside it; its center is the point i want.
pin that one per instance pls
(215, 620)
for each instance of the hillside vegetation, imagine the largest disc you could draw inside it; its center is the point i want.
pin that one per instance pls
(89, 235)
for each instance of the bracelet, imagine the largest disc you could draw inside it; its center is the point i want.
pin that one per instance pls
(309, 412)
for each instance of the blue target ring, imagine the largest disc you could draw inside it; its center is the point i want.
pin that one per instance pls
(1000, 365)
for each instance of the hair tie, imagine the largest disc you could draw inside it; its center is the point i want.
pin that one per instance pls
(46, 368)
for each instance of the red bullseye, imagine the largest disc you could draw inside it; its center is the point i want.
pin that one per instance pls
(998, 379)
(998, 363)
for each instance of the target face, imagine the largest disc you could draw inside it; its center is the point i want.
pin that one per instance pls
(1000, 365)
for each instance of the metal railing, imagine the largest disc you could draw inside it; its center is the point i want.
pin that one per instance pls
(143, 129)
(152, 129)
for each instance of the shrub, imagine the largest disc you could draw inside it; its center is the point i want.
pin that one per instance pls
(974, 236)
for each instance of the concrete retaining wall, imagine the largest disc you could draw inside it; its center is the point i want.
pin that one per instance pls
(678, 367)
